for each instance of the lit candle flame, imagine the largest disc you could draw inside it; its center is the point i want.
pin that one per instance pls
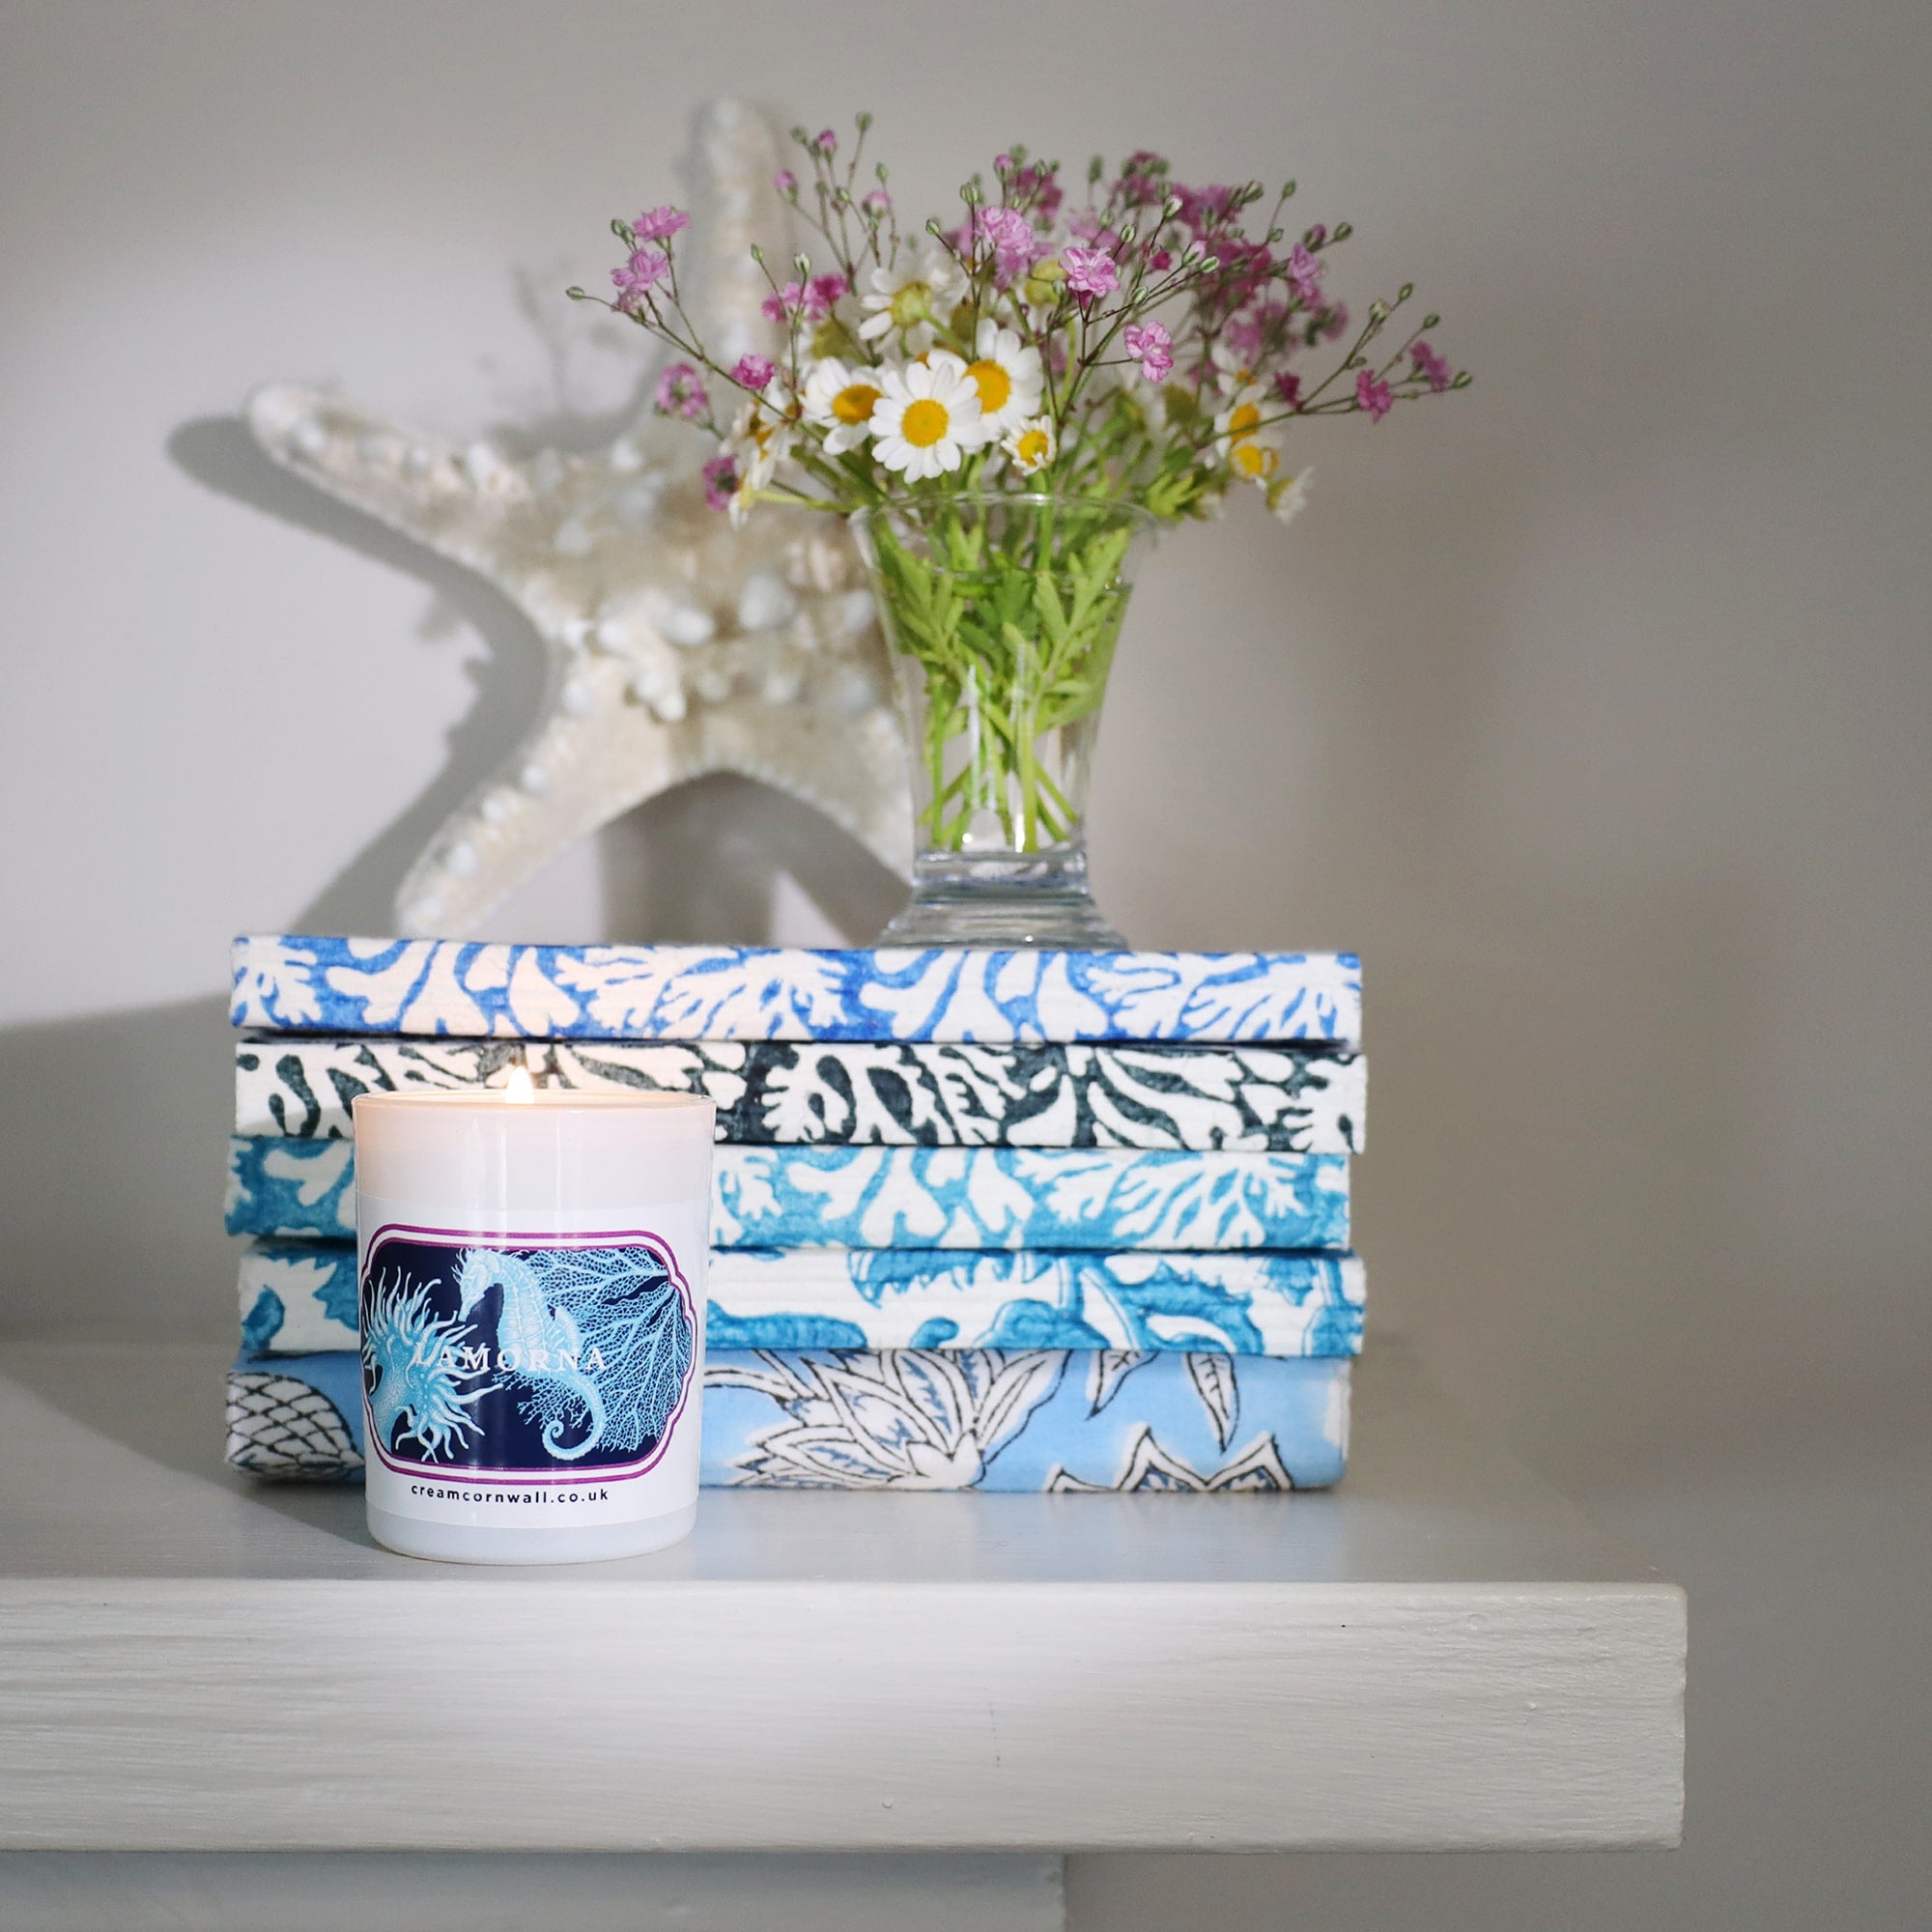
(519, 1090)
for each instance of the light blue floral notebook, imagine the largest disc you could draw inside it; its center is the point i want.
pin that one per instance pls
(294, 983)
(909, 1419)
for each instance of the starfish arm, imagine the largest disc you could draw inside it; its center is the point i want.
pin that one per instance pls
(739, 157)
(681, 647)
(459, 502)
(676, 645)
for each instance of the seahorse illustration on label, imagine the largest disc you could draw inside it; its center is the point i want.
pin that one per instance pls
(600, 1342)
(532, 1336)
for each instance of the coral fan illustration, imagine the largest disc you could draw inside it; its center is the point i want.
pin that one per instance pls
(599, 1340)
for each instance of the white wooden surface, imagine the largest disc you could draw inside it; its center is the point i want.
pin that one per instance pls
(1440, 1654)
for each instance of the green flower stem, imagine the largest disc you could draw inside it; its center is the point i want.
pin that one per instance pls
(1015, 639)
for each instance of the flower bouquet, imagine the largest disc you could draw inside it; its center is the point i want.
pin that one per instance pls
(1006, 409)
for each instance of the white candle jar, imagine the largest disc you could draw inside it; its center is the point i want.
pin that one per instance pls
(532, 1269)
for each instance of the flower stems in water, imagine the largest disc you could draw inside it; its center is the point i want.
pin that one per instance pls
(1014, 634)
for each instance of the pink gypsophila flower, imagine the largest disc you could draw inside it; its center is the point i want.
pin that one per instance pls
(1006, 228)
(1154, 346)
(785, 182)
(720, 481)
(656, 225)
(642, 273)
(1090, 271)
(1140, 184)
(1242, 265)
(1334, 322)
(1434, 368)
(781, 305)
(1038, 191)
(877, 202)
(1015, 247)
(826, 141)
(823, 293)
(1087, 227)
(753, 372)
(680, 392)
(1019, 247)
(1288, 386)
(1242, 337)
(1201, 207)
(1374, 395)
(1305, 273)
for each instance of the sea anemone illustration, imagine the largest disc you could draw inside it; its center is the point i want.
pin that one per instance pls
(413, 1360)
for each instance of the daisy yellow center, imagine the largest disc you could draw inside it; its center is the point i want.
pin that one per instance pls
(925, 423)
(994, 384)
(854, 403)
(1032, 449)
(1244, 419)
(1255, 459)
(910, 304)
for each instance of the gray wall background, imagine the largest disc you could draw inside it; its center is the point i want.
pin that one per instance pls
(1593, 707)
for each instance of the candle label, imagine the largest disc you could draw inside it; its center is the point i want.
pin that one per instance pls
(524, 1362)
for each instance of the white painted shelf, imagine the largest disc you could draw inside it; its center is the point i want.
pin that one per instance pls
(1441, 1653)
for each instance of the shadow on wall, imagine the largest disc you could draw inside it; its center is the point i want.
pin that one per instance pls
(112, 1156)
(111, 1173)
(711, 862)
(111, 1181)
(701, 863)
(219, 453)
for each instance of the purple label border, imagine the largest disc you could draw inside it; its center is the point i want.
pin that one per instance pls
(616, 1237)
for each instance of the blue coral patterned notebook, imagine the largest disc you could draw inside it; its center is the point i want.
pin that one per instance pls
(429, 986)
(300, 1296)
(1298, 1096)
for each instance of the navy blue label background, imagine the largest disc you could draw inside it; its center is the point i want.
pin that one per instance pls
(508, 1435)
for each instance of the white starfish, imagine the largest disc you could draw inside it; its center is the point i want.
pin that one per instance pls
(676, 645)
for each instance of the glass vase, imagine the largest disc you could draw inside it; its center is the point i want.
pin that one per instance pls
(1001, 613)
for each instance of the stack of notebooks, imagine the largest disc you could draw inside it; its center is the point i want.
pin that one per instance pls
(1023, 1220)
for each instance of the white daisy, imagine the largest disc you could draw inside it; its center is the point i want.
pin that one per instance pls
(1240, 418)
(768, 423)
(1255, 459)
(928, 416)
(1232, 373)
(760, 440)
(840, 401)
(1249, 450)
(1287, 495)
(1031, 444)
(1162, 405)
(911, 297)
(1008, 376)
